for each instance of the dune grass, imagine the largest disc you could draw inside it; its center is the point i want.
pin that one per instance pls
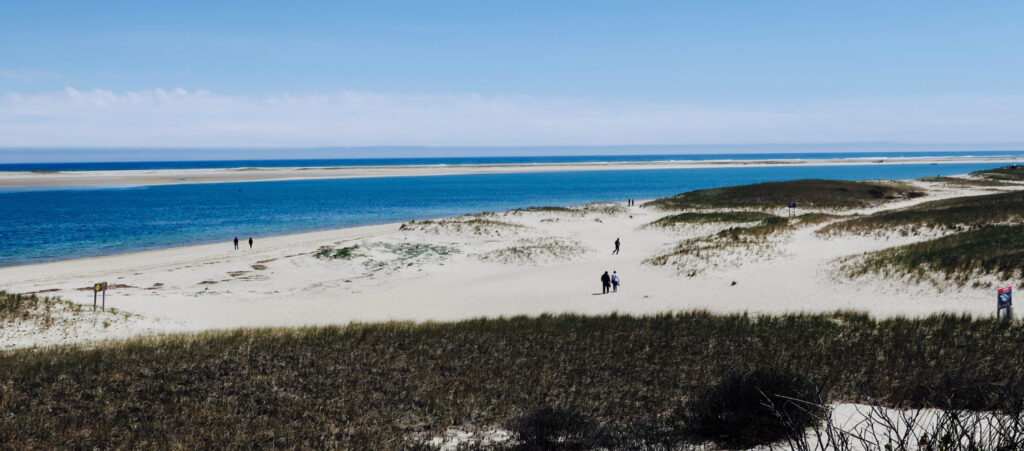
(21, 307)
(604, 208)
(991, 250)
(973, 182)
(1012, 173)
(811, 193)
(477, 225)
(375, 386)
(711, 218)
(535, 251)
(342, 253)
(712, 248)
(545, 210)
(954, 214)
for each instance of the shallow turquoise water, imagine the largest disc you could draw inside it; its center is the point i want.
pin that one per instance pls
(47, 225)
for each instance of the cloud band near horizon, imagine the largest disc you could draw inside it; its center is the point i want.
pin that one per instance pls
(182, 118)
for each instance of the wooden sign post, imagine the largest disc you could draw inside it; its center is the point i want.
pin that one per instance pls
(96, 289)
(792, 208)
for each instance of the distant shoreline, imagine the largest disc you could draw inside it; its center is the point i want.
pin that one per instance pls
(152, 177)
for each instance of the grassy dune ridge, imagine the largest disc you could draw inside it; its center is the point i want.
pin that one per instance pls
(1012, 173)
(992, 250)
(948, 214)
(821, 194)
(377, 385)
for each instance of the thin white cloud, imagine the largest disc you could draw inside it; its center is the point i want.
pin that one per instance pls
(26, 74)
(178, 117)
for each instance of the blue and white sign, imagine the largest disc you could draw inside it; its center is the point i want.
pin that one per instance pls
(1005, 297)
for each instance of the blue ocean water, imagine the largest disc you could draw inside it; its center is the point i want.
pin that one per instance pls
(57, 224)
(221, 164)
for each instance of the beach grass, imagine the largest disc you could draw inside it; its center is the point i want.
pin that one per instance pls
(711, 218)
(29, 307)
(996, 250)
(809, 193)
(604, 208)
(956, 214)
(343, 253)
(1012, 173)
(535, 251)
(479, 225)
(385, 386)
(964, 181)
(545, 209)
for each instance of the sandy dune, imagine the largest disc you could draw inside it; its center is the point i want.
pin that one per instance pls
(509, 263)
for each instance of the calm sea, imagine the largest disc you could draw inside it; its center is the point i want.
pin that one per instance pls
(221, 164)
(57, 224)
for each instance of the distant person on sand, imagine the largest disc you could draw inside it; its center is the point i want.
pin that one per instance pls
(616, 251)
(606, 282)
(615, 281)
(250, 242)
(236, 243)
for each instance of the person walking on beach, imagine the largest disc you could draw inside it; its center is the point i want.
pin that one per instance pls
(606, 282)
(615, 281)
(616, 251)
(250, 242)
(236, 243)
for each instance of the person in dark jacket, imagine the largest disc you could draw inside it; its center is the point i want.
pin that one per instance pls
(606, 283)
(236, 243)
(250, 242)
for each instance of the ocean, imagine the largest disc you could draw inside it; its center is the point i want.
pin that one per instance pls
(222, 164)
(39, 225)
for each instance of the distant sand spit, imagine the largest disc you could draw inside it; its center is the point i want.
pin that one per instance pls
(254, 174)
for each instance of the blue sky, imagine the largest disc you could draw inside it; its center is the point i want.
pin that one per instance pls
(296, 74)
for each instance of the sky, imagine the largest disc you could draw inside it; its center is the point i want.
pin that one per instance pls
(519, 73)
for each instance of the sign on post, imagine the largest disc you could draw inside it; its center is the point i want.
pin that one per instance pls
(1005, 302)
(792, 208)
(96, 289)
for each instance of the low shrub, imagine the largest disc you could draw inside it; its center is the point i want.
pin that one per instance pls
(755, 408)
(557, 429)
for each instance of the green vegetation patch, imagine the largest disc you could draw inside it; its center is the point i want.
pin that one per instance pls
(712, 217)
(712, 248)
(964, 181)
(546, 210)
(406, 251)
(22, 307)
(828, 194)
(603, 208)
(763, 229)
(375, 386)
(535, 251)
(46, 312)
(473, 224)
(991, 250)
(948, 214)
(1011, 173)
(344, 253)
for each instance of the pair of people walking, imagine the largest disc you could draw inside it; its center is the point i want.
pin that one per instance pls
(609, 282)
(236, 243)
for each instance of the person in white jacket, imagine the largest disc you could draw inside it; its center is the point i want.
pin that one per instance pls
(615, 281)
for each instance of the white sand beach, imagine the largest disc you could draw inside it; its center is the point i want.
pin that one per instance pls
(488, 265)
(253, 174)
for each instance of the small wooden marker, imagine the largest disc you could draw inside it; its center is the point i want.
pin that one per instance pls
(96, 288)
